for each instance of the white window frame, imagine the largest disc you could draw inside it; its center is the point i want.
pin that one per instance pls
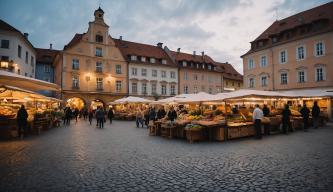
(298, 55)
(75, 64)
(153, 88)
(118, 86)
(136, 87)
(185, 76)
(186, 89)
(172, 89)
(98, 52)
(134, 71)
(133, 57)
(163, 89)
(152, 60)
(261, 61)
(144, 88)
(154, 73)
(285, 57)
(118, 69)
(143, 59)
(298, 76)
(164, 61)
(266, 81)
(250, 63)
(99, 83)
(99, 66)
(172, 75)
(251, 82)
(281, 79)
(75, 81)
(184, 64)
(315, 49)
(143, 72)
(323, 73)
(163, 74)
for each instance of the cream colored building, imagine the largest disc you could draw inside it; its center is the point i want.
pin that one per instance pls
(293, 53)
(92, 68)
(197, 73)
(17, 54)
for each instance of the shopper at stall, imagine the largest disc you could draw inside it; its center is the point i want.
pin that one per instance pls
(257, 116)
(286, 120)
(100, 116)
(146, 116)
(305, 114)
(152, 114)
(161, 113)
(90, 115)
(110, 114)
(172, 114)
(315, 114)
(266, 112)
(22, 116)
(139, 118)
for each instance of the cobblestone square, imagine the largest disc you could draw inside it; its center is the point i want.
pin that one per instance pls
(121, 157)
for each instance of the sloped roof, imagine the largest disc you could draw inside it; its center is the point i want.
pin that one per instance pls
(76, 39)
(323, 12)
(229, 71)
(7, 27)
(46, 55)
(181, 56)
(128, 48)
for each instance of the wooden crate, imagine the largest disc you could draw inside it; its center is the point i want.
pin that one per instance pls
(233, 132)
(244, 131)
(194, 135)
(219, 133)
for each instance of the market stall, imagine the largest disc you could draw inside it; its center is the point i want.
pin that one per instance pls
(42, 111)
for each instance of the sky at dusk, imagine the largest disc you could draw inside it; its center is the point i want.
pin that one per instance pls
(221, 28)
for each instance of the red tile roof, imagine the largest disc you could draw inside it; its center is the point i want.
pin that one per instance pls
(46, 55)
(308, 17)
(229, 71)
(6, 27)
(76, 39)
(180, 56)
(129, 48)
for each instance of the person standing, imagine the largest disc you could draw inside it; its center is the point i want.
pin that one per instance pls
(22, 116)
(100, 115)
(266, 113)
(161, 113)
(76, 113)
(90, 115)
(146, 116)
(286, 119)
(85, 113)
(257, 116)
(68, 115)
(110, 114)
(138, 118)
(315, 115)
(305, 114)
(172, 114)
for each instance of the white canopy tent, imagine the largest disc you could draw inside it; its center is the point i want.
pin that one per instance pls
(131, 99)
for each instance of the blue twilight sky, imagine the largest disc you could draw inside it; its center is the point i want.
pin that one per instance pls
(221, 28)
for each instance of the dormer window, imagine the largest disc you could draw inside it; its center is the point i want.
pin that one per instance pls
(143, 59)
(184, 63)
(133, 57)
(152, 60)
(261, 43)
(99, 38)
(274, 40)
(209, 67)
(164, 61)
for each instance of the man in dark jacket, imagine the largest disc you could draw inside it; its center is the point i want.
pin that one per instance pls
(152, 114)
(286, 119)
(266, 112)
(305, 114)
(100, 115)
(22, 117)
(172, 114)
(315, 114)
(110, 115)
(161, 113)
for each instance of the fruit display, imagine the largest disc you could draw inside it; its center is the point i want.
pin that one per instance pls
(193, 127)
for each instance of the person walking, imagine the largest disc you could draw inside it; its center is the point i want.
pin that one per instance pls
(110, 114)
(76, 114)
(315, 115)
(146, 116)
(68, 116)
(90, 115)
(286, 119)
(266, 113)
(257, 116)
(305, 114)
(85, 113)
(22, 117)
(139, 118)
(100, 115)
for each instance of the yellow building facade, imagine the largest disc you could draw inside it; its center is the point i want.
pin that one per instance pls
(93, 70)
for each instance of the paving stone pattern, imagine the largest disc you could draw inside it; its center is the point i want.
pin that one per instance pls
(121, 157)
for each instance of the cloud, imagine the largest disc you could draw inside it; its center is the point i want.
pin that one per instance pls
(221, 28)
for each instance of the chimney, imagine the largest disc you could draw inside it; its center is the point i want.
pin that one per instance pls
(194, 53)
(203, 53)
(178, 50)
(120, 37)
(159, 44)
(50, 45)
(26, 35)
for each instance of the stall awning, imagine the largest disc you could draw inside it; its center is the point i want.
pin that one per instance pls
(12, 79)
(131, 99)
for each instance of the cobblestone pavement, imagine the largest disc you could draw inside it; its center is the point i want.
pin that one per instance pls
(123, 158)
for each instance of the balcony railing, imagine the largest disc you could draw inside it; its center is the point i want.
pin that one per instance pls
(99, 89)
(75, 87)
